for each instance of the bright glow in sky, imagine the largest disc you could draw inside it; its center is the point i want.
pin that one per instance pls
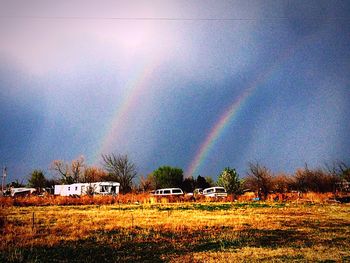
(154, 79)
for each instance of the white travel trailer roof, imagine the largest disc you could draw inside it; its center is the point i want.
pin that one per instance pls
(22, 190)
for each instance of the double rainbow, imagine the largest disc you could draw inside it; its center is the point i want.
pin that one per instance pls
(139, 82)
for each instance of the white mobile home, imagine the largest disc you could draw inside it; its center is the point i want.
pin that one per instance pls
(102, 188)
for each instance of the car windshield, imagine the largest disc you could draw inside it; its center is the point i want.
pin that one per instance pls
(220, 190)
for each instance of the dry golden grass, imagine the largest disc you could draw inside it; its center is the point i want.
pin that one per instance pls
(145, 198)
(187, 232)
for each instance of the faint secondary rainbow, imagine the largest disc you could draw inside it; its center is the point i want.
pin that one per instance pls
(231, 112)
(136, 85)
(216, 131)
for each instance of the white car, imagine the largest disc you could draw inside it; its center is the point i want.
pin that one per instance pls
(215, 191)
(168, 192)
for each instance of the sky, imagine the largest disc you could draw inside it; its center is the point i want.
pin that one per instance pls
(195, 84)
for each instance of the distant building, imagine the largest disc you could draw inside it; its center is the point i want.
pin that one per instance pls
(102, 188)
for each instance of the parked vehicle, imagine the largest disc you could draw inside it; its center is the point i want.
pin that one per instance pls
(168, 192)
(215, 191)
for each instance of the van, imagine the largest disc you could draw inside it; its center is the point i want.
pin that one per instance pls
(215, 191)
(168, 192)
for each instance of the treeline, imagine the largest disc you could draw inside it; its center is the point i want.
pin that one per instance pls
(320, 180)
(258, 179)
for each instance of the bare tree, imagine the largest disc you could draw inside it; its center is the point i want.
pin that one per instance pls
(120, 169)
(62, 171)
(340, 170)
(69, 173)
(315, 180)
(77, 169)
(259, 179)
(283, 183)
(147, 183)
(93, 174)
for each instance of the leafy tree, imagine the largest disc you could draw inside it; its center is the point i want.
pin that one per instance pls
(37, 180)
(120, 169)
(210, 181)
(167, 176)
(15, 184)
(188, 184)
(229, 179)
(50, 184)
(201, 182)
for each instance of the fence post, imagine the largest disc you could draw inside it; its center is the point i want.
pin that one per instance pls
(33, 221)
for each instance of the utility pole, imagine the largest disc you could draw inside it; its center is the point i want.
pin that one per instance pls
(4, 174)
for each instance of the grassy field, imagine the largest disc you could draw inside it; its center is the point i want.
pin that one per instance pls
(183, 232)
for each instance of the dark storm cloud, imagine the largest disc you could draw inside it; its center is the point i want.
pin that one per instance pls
(65, 80)
(22, 114)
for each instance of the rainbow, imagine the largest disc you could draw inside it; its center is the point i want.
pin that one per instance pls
(232, 112)
(135, 87)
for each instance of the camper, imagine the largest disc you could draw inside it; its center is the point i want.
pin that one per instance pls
(168, 192)
(102, 188)
(21, 191)
(215, 191)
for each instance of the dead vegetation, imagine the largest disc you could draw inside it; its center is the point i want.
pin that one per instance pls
(188, 232)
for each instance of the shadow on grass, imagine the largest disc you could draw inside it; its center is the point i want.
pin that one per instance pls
(258, 238)
(155, 245)
(91, 251)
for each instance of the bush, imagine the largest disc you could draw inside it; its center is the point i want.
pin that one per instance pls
(317, 180)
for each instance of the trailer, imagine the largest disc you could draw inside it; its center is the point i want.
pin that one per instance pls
(21, 191)
(101, 188)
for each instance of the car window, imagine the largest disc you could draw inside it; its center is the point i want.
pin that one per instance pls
(166, 191)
